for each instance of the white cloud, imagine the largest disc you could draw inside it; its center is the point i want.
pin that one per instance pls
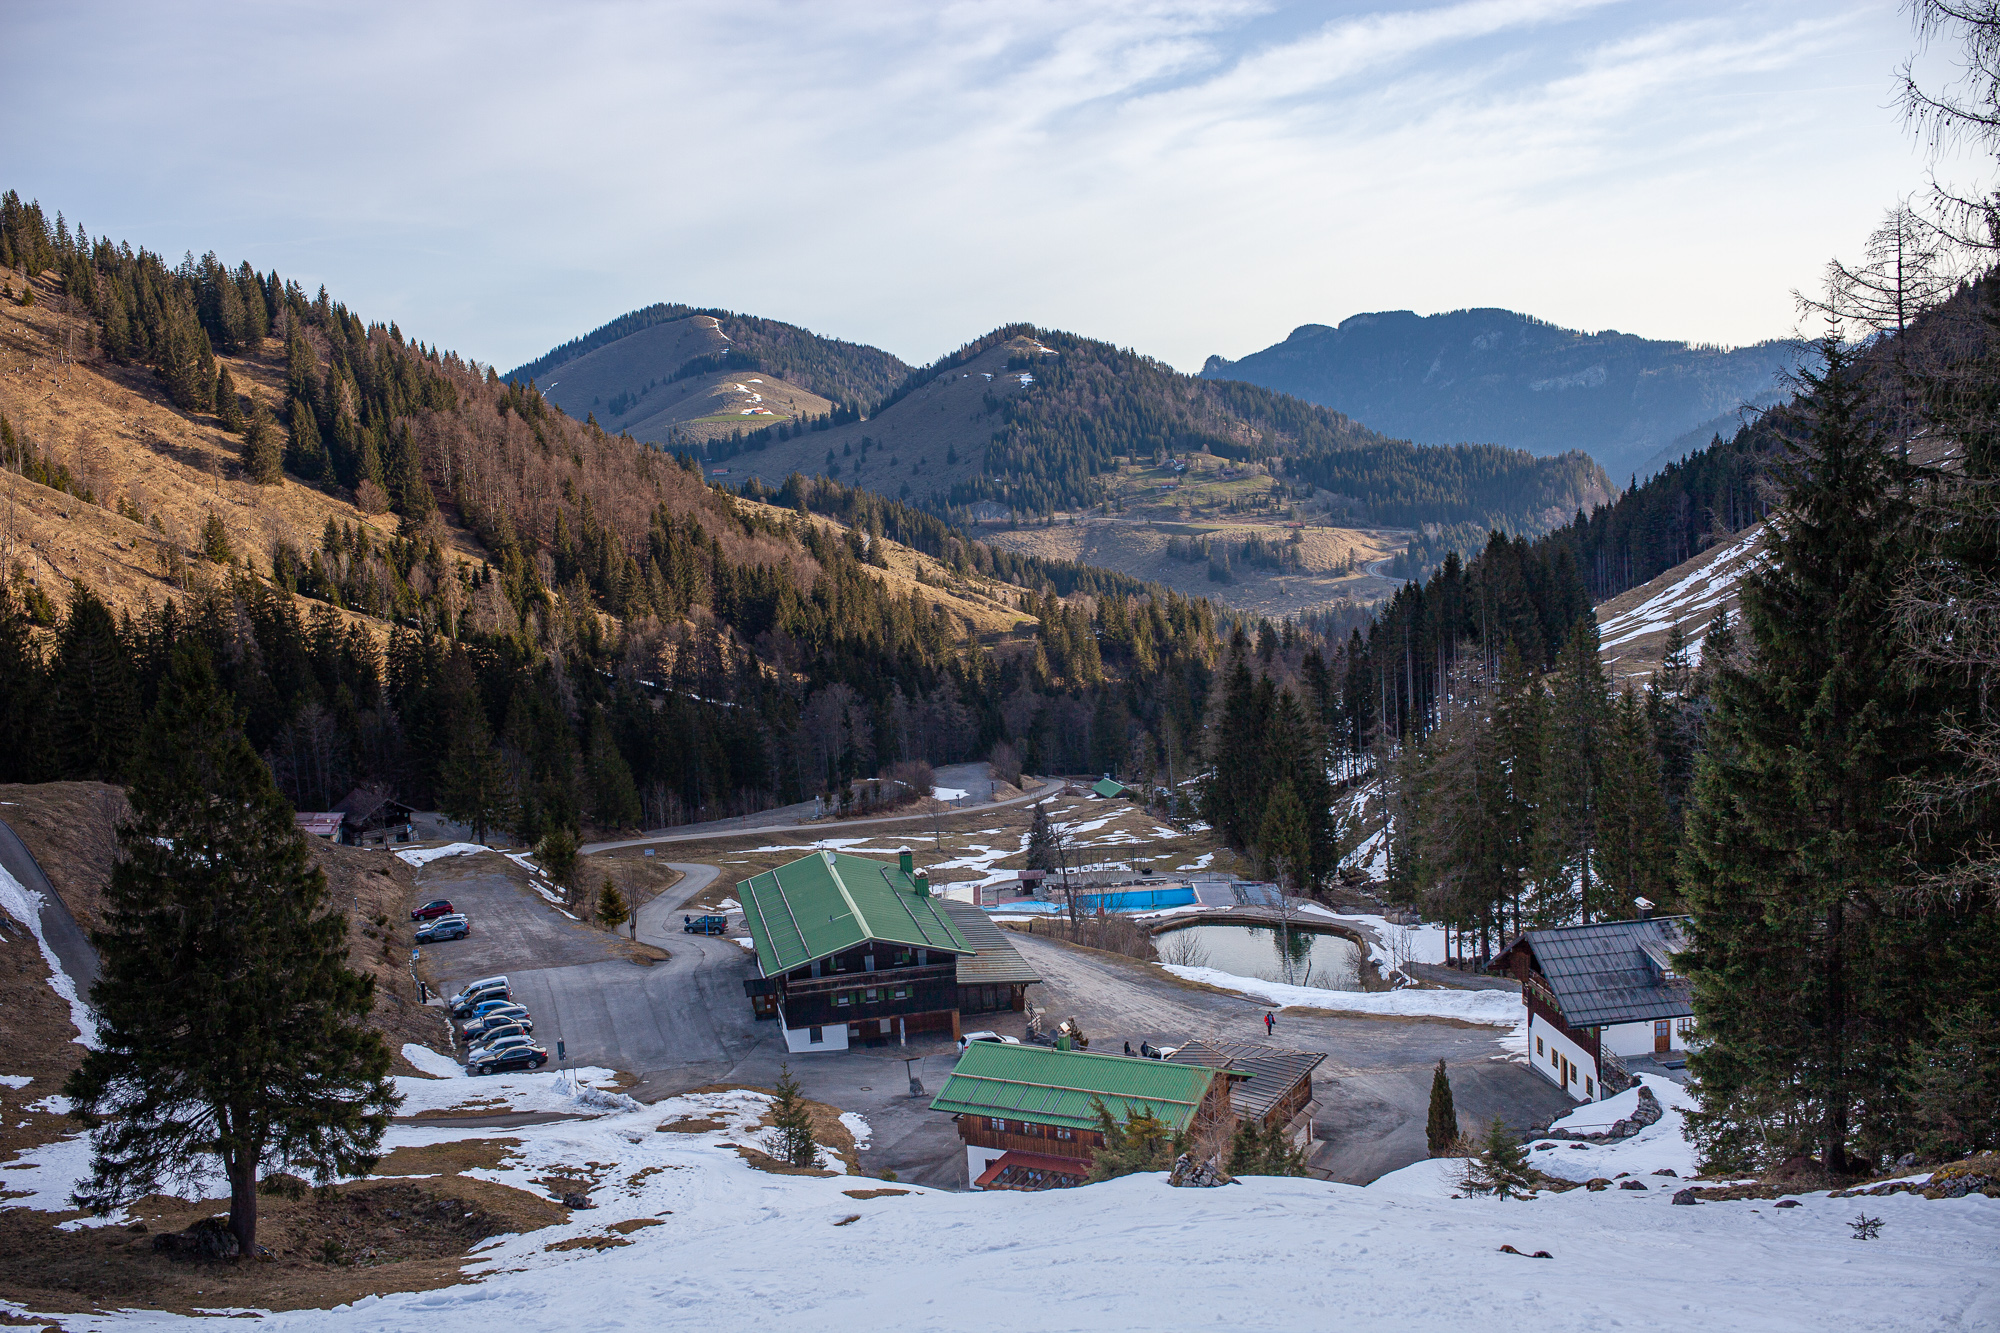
(1182, 177)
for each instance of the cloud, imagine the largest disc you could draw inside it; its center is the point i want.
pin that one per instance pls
(1183, 177)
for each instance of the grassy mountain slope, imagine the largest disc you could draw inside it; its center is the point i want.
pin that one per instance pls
(631, 370)
(1515, 380)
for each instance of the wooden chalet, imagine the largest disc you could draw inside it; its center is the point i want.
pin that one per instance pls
(1598, 994)
(1273, 1085)
(994, 976)
(852, 952)
(1027, 1114)
(369, 816)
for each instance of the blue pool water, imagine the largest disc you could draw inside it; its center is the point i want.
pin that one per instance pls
(1134, 900)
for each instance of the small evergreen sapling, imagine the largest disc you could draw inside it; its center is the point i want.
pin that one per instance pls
(1501, 1166)
(1441, 1131)
(611, 906)
(792, 1119)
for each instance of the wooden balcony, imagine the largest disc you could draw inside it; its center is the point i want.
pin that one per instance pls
(887, 976)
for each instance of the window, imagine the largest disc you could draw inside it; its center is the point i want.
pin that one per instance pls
(1538, 1046)
(997, 1123)
(814, 1036)
(870, 996)
(1554, 1059)
(1684, 1028)
(900, 993)
(1569, 1072)
(904, 957)
(1065, 1134)
(845, 997)
(1589, 1089)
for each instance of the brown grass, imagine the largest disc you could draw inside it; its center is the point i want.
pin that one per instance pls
(873, 1194)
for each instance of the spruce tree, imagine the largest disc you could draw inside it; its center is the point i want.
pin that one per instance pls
(215, 545)
(96, 694)
(28, 755)
(228, 409)
(263, 451)
(1441, 1129)
(306, 456)
(474, 786)
(557, 856)
(612, 909)
(1282, 844)
(1041, 853)
(230, 1027)
(1142, 1142)
(792, 1119)
(1634, 856)
(1501, 1166)
(1808, 983)
(1572, 779)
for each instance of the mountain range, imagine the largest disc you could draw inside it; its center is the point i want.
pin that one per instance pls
(1634, 404)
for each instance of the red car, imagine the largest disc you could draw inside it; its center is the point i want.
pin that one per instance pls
(435, 907)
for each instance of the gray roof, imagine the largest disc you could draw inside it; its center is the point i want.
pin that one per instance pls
(1613, 971)
(1273, 1070)
(997, 962)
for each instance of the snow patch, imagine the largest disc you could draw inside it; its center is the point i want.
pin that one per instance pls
(423, 856)
(25, 906)
(1497, 1008)
(16, 1081)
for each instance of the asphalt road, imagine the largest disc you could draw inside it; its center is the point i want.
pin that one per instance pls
(59, 928)
(960, 777)
(686, 1023)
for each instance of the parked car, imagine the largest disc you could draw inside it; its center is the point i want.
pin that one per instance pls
(487, 1049)
(704, 925)
(436, 907)
(492, 1034)
(485, 1007)
(971, 1037)
(493, 988)
(444, 928)
(492, 1018)
(529, 1056)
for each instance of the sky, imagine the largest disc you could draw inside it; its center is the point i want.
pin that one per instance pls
(1184, 177)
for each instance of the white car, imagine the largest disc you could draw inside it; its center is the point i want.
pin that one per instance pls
(971, 1037)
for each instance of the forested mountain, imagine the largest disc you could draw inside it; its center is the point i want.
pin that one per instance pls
(519, 617)
(1510, 379)
(1031, 421)
(673, 374)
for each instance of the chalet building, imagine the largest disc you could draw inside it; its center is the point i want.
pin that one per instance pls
(857, 952)
(1027, 1114)
(1597, 994)
(371, 817)
(319, 823)
(1273, 1086)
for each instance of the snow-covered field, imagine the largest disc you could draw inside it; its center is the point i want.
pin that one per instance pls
(739, 1249)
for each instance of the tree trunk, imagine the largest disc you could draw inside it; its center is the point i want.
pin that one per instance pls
(1835, 1130)
(243, 1204)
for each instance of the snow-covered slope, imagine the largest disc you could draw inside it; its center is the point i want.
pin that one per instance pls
(738, 1249)
(1632, 627)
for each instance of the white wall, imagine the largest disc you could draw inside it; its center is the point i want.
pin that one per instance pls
(1637, 1038)
(978, 1159)
(1544, 1043)
(799, 1040)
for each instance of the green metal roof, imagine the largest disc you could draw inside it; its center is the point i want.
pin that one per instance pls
(823, 903)
(1056, 1087)
(1108, 787)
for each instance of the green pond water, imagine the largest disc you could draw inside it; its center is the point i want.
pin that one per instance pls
(1297, 958)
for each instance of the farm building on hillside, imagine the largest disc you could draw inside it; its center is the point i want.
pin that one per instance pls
(853, 952)
(1275, 1086)
(1599, 993)
(1108, 787)
(1028, 1114)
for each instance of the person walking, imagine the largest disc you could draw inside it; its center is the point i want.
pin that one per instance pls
(1270, 1021)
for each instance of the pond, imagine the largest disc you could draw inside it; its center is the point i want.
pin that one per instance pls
(1314, 958)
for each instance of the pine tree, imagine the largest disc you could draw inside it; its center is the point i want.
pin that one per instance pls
(1041, 853)
(28, 756)
(557, 856)
(1572, 781)
(1634, 857)
(228, 409)
(614, 799)
(1282, 844)
(230, 1028)
(1808, 983)
(307, 456)
(215, 545)
(263, 452)
(474, 786)
(96, 696)
(612, 908)
(1257, 1151)
(792, 1119)
(1441, 1130)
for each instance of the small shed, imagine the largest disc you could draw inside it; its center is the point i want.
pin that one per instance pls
(319, 823)
(1109, 788)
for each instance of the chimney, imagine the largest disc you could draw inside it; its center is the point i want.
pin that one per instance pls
(905, 860)
(1645, 906)
(923, 884)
